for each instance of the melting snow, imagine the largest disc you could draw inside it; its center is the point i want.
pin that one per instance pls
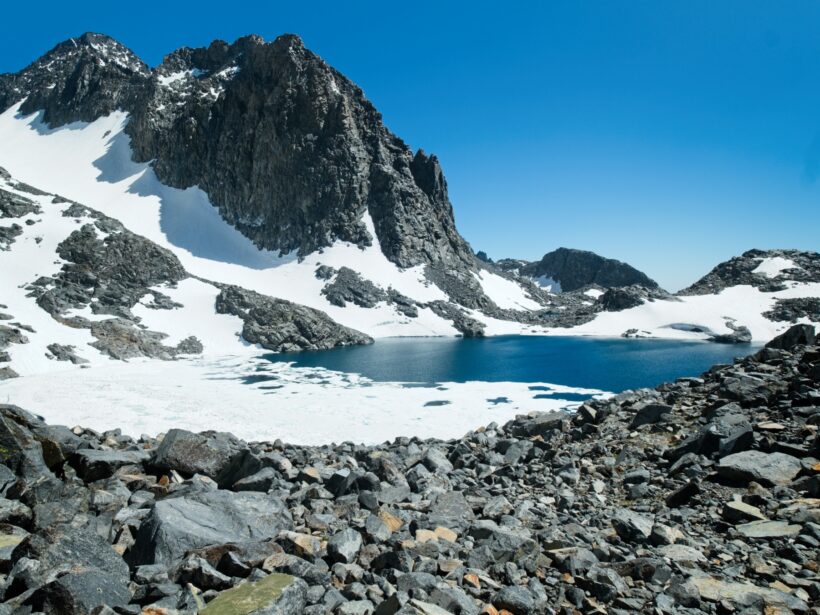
(744, 304)
(270, 400)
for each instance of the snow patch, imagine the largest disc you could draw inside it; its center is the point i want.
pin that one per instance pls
(505, 293)
(742, 304)
(773, 266)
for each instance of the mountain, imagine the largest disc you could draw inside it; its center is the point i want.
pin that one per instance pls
(288, 149)
(566, 269)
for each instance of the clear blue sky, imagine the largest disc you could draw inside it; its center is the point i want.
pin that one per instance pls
(668, 134)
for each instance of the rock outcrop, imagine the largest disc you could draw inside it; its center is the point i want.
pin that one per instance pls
(751, 269)
(575, 269)
(283, 326)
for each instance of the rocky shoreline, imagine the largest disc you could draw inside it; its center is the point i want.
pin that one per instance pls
(702, 495)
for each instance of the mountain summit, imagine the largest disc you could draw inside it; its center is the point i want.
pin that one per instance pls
(289, 150)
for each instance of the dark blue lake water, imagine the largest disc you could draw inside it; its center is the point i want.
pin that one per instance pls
(601, 363)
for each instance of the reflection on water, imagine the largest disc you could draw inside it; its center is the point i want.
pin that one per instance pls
(609, 364)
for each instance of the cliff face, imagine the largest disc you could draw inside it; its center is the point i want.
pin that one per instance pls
(288, 149)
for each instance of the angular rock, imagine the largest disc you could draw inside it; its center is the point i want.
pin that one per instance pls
(219, 456)
(764, 468)
(632, 526)
(177, 525)
(276, 594)
(344, 546)
(93, 465)
(80, 591)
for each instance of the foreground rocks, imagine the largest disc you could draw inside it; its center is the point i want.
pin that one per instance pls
(701, 496)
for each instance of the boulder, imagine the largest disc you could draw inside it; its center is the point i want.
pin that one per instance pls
(220, 456)
(794, 336)
(764, 468)
(80, 591)
(516, 600)
(177, 525)
(344, 546)
(92, 465)
(632, 526)
(650, 413)
(63, 548)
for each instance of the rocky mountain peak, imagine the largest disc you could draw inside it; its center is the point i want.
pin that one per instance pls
(310, 158)
(573, 269)
(288, 149)
(78, 80)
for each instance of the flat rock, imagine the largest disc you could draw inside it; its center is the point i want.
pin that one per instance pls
(276, 594)
(737, 511)
(682, 553)
(768, 529)
(94, 465)
(716, 590)
(764, 468)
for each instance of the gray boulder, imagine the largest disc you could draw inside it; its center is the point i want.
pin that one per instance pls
(516, 600)
(177, 525)
(764, 468)
(793, 336)
(80, 591)
(632, 526)
(64, 548)
(344, 546)
(220, 456)
(92, 465)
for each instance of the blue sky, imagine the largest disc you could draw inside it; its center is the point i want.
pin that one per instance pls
(672, 135)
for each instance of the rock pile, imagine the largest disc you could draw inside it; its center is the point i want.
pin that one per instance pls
(702, 495)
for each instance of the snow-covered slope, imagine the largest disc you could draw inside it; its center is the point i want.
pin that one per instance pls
(702, 316)
(91, 163)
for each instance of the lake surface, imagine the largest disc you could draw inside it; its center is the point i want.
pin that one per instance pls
(610, 364)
